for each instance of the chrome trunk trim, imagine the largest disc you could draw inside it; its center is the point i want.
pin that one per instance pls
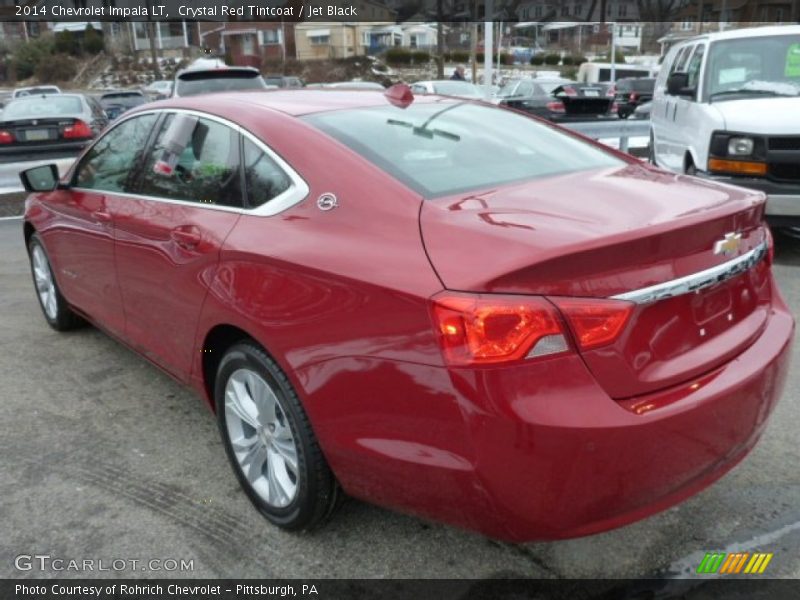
(696, 281)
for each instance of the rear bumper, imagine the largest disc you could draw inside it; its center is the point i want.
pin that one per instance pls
(41, 151)
(583, 463)
(783, 199)
(538, 450)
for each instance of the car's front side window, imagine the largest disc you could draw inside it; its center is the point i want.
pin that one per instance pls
(195, 160)
(109, 164)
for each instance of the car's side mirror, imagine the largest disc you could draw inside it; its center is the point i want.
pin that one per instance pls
(678, 85)
(40, 179)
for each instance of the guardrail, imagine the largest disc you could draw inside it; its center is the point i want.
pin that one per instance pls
(621, 129)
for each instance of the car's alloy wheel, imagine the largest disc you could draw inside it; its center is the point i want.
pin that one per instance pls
(56, 310)
(269, 441)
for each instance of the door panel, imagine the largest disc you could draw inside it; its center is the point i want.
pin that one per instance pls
(81, 248)
(166, 255)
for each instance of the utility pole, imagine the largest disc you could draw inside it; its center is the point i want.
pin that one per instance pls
(151, 34)
(488, 49)
(439, 40)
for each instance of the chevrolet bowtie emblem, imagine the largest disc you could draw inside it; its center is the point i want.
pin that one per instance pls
(729, 245)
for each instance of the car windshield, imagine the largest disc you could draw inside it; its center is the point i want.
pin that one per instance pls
(36, 91)
(52, 105)
(457, 88)
(444, 148)
(207, 82)
(508, 89)
(763, 66)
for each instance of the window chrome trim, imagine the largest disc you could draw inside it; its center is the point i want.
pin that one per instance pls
(696, 281)
(297, 192)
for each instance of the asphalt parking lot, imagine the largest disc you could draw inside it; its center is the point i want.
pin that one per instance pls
(105, 457)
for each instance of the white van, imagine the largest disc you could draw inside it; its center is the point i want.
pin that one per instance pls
(592, 72)
(727, 106)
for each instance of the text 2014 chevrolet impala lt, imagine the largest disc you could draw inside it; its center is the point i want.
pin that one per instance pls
(432, 304)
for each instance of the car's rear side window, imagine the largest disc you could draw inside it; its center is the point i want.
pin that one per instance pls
(264, 178)
(195, 160)
(444, 147)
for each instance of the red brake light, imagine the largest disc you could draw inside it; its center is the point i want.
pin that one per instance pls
(487, 329)
(6, 137)
(633, 96)
(595, 321)
(612, 91)
(78, 129)
(614, 107)
(556, 107)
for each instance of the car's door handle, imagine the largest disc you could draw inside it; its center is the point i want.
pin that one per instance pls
(102, 215)
(186, 237)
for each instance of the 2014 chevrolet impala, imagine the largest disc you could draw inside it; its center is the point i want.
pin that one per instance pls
(432, 304)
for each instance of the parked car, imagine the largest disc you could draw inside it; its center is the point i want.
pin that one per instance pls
(159, 89)
(49, 126)
(558, 99)
(448, 87)
(284, 81)
(116, 103)
(560, 339)
(630, 93)
(727, 108)
(200, 80)
(591, 72)
(38, 90)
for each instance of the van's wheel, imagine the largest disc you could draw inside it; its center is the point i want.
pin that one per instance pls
(56, 311)
(269, 441)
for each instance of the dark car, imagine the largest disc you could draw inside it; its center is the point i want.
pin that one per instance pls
(116, 103)
(558, 99)
(49, 126)
(630, 93)
(284, 81)
(194, 81)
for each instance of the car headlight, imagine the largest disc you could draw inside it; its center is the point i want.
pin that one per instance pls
(740, 146)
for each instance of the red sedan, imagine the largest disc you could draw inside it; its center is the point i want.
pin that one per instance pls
(432, 304)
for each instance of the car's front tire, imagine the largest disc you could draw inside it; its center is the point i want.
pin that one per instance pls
(269, 441)
(56, 311)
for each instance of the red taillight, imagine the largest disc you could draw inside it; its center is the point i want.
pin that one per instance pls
(633, 97)
(78, 129)
(612, 91)
(6, 137)
(556, 107)
(594, 321)
(487, 329)
(614, 107)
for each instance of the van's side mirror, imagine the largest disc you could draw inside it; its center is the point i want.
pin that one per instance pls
(40, 179)
(678, 85)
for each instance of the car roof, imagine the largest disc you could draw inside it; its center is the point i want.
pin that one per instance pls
(749, 32)
(291, 102)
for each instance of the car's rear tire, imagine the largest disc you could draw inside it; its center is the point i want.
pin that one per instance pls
(54, 307)
(270, 443)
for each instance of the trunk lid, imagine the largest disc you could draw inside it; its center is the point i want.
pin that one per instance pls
(33, 131)
(606, 233)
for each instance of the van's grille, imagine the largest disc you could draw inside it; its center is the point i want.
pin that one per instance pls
(784, 143)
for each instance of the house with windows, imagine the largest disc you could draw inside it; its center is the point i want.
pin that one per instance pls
(249, 43)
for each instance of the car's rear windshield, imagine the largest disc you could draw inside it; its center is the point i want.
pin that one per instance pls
(457, 88)
(206, 82)
(444, 148)
(52, 105)
(126, 98)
